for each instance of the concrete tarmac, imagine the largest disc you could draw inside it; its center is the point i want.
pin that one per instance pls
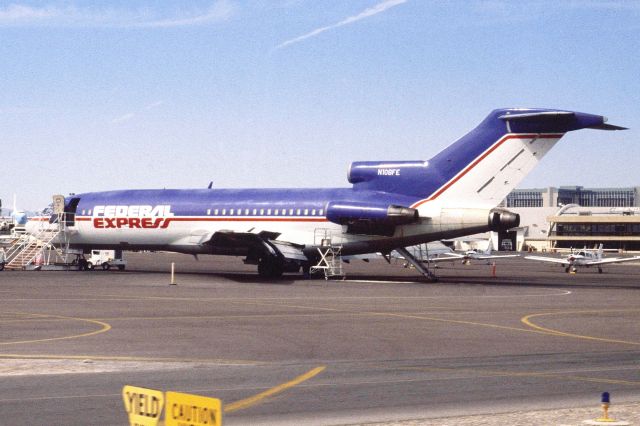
(382, 346)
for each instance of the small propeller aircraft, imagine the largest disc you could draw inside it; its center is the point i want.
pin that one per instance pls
(584, 258)
(469, 255)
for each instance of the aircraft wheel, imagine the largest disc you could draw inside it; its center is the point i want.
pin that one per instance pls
(567, 269)
(89, 266)
(82, 265)
(106, 266)
(270, 269)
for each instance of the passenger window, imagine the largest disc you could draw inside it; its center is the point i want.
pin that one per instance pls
(224, 212)
(298, 212)
(261, 212)
(321, 213)
(215, 212)
(313, 212)
(268, 212)
(254, 212)
(284, 212)
(208, 212)
(231, 212)
(290, 212)
(246, 212)
(306, 212)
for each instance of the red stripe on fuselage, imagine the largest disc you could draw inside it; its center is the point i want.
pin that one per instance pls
(226, 219)
(478, 160)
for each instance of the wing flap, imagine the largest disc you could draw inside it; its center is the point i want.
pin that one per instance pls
(246, 241)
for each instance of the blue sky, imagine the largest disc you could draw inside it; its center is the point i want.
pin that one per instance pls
(286, 93)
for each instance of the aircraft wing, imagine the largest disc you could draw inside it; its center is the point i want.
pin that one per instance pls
(496, 256)
(288, 250)
(240, 243)
(447, 257)
(613, 260)
(549, 259)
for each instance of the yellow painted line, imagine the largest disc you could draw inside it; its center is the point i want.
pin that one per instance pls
(131, 358)
(527, 321)
(104, 327)
(412, 316)
(189, 317)
(248, 402)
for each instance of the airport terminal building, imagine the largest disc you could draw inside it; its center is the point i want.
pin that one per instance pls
(575, 216)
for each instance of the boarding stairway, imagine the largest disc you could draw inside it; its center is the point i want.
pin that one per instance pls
(46, 244)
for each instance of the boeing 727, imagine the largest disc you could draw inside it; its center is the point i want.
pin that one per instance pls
(390, 205)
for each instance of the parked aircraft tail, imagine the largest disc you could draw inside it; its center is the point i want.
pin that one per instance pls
(482, 167)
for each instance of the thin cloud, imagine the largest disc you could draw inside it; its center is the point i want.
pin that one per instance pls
(378, 8)
(18, 15)
(219, 11)
(123, 118)
(154, 105)
(131, 115)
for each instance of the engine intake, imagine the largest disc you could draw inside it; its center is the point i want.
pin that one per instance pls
(501, 220)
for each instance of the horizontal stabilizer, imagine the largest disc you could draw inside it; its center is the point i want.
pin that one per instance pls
(558, 120)
(608, 127)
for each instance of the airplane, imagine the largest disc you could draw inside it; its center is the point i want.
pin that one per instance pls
(15, 219)
(584, 258)
(390, 205)
(469, 255)
(423, 252)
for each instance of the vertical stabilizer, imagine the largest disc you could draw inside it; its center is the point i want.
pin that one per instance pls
(482, 167)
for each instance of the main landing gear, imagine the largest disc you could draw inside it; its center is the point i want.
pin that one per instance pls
(270, 267)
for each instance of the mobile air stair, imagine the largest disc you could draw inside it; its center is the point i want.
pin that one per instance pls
(330, 262)
(46, 245)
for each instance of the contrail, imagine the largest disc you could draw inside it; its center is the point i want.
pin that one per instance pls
(379, 8)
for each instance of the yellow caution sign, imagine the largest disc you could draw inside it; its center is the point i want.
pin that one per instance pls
(144, 406)
(184, 409)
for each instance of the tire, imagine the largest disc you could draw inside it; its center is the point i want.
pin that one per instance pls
(2, 266)
(121, 267)
(106, 266)
(270, 269)
(89, 266)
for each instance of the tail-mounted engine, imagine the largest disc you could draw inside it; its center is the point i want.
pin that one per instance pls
(369, 218)
(501, 220)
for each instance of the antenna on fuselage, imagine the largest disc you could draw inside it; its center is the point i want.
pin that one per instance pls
(210, 185)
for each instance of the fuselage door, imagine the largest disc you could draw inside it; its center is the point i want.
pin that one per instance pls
(70, 211)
